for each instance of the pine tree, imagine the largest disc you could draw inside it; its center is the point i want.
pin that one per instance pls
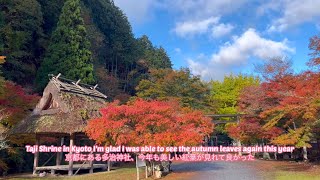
(68, 52)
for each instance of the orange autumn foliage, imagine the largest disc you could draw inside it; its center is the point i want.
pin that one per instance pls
(155, 123)
(287, 104)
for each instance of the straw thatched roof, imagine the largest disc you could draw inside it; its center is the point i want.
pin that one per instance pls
(64, 107)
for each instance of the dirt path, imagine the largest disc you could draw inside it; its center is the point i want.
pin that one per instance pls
(258, 169)
(218, 170)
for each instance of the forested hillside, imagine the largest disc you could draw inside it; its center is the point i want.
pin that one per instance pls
(40, 37)
(148, 100)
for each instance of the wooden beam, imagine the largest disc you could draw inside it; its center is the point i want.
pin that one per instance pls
(62, 84)
(70, 169)
(78, 81)
(60, 154)
(77, 85)
(91, 167)
(91, 162)
(36, 155)
(57, 77)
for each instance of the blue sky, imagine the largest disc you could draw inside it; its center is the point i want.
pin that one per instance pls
(218, 37)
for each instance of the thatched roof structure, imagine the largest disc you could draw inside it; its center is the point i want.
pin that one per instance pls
(64, 108)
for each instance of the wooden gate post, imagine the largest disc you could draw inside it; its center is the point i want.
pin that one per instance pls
(59, 154)
(238, 140)
(70, 170)
(36, 155)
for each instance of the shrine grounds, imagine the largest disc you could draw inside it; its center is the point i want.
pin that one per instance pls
(258, 169)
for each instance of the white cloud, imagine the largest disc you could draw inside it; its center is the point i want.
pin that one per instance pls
(296, 12)
(209, 26)
(237, 53)
(208, 71)
(269, 6)
(191, 28)
(199, 9)
(143, 10)
(198, 17)
(250, 44)
(221, 30)
(138, 12)
(177, 50)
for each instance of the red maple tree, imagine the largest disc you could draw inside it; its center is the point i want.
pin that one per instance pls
(15, 103)
(286, 108)
(155, 123)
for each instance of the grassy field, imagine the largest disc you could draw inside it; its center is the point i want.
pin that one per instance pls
(282, 175)
(119, 174)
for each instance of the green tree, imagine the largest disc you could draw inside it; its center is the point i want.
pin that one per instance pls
(68, 52)
(118, 34)
(22, 39)
(164, 84)
(51, 10)
(155, 57)
(124, 57)
(225, 94)
(119, 56)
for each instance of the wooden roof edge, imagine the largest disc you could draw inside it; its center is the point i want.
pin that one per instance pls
(83, 93)
(67, 84)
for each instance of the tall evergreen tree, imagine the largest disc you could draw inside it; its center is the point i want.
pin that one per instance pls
(119, 37)
(51, 10)
(119, 51)
(68, 52)
(21, 39)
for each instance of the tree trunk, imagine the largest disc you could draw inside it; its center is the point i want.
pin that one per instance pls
(265, 155)
(275, 153)
(109, 165)
(305, 153)
(239, 145)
